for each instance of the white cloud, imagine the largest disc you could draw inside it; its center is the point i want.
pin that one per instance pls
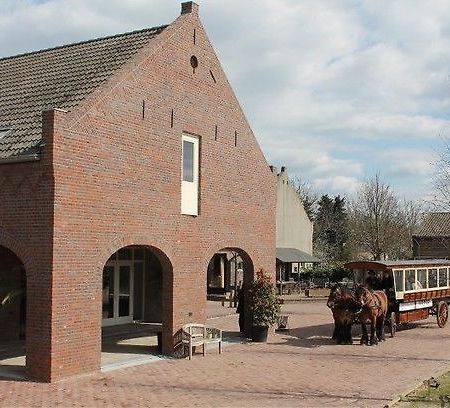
(330, 87)
(341, 185)
(405, 162)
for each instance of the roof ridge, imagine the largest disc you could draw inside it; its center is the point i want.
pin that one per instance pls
(156, 28)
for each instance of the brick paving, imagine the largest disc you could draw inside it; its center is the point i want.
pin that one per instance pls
(300, 368)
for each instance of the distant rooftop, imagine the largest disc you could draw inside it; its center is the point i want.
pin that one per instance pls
(295, 255)
(435, 224)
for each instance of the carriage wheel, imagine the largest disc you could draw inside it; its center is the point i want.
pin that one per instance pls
(393, 324)
(442, 313)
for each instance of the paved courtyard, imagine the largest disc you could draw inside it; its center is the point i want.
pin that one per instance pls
(300, 368)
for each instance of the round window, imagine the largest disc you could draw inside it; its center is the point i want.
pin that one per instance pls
(194, 62)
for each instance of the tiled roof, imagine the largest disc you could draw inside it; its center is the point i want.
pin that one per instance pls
(435, 225)
(295, 255)
(57, 78)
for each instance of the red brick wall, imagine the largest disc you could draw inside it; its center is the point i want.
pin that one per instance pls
(117, 183)
(26, 228)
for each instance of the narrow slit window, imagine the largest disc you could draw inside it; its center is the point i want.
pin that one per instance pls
(190, 174)
(188, 161)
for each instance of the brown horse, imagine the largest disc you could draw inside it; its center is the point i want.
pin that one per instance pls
(374, 307)
(343, 305)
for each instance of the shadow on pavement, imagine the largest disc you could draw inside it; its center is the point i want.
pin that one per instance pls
(309, 336)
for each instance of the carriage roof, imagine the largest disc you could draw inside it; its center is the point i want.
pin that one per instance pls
(388, 265)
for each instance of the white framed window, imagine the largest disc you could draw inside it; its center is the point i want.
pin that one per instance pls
(189, 174)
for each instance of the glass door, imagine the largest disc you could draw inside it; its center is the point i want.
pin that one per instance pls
(108, 293)
(124, 292)
(117, 302)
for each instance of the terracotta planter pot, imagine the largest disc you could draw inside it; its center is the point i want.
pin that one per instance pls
(259, 334)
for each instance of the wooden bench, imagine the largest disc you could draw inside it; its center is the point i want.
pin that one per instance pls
(229, 297)
(196, 334)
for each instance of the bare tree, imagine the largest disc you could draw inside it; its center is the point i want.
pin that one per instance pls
(381, 226)
(411, 214)
(307, 195)
(441, 179)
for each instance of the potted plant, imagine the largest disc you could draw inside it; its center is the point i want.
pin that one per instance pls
(264, 306)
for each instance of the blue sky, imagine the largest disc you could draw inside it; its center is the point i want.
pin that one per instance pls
(335, 90)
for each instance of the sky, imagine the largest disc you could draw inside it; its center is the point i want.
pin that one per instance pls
(335, 90)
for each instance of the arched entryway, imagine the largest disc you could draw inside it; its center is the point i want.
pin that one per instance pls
(13, 286)
(134, 314)
(229, 273)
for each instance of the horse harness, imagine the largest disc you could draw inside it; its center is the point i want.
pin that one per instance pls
(375, 303)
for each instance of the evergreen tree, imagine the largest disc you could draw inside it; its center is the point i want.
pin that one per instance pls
(331, 230)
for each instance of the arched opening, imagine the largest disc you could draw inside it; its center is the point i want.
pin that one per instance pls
(13, 286)
(229, 273)
(133, 311)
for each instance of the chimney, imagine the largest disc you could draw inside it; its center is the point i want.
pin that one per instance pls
(189, 7)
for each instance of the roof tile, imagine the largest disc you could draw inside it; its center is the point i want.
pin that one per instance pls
(435, 225)
(57, 78)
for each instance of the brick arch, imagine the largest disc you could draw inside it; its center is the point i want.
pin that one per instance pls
(158, 247)
(213, 249)
(248, 276)
(21, 251)
(249, 264)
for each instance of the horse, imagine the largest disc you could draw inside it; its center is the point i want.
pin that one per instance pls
(343, 305)
(374, 306)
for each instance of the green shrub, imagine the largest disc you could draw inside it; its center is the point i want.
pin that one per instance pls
(264, 301)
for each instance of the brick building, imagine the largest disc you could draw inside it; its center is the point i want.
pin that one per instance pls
(432, 238)
(126, 164)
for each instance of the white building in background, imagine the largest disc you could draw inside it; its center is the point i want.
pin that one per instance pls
(294, 231)
(293, 239)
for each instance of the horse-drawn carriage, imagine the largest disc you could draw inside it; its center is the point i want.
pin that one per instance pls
(415, 289)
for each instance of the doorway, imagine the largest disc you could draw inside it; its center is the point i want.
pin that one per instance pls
(132, 306)
(118, 280)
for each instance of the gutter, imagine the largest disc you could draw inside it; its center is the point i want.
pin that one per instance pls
(21, 159)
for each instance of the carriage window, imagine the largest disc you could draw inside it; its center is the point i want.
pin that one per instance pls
(359, 276)
(398, 278)
(421, 282)
(410, 279)
(432, 278)
(442, 277)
